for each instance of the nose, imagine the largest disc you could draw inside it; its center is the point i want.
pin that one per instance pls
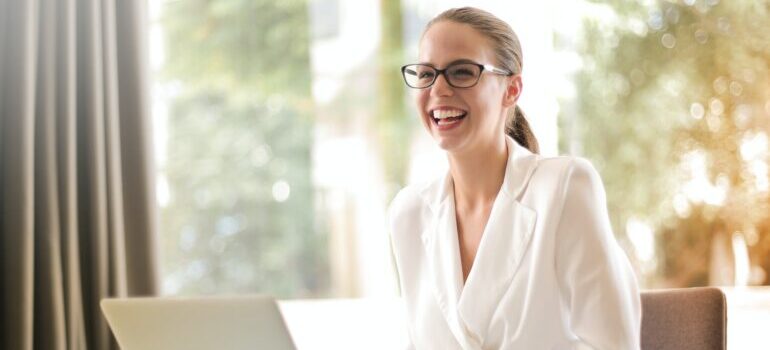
(441, 87)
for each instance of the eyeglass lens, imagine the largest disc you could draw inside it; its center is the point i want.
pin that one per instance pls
(457, 75)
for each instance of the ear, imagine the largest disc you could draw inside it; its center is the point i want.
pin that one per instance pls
(512, 91)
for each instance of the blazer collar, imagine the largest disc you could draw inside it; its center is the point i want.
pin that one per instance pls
(469, 308)
(519, 167)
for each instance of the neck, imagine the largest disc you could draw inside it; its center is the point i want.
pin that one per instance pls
(478, 174)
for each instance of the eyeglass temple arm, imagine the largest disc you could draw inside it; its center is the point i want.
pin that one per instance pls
(494, 69)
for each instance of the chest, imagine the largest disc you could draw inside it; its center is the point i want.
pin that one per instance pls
(470, 230)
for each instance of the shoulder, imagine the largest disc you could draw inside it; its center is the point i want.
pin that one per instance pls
(579, 193)
(565, 172)
(567, 163)
(407, 200)
(406, 210)
(406, 220)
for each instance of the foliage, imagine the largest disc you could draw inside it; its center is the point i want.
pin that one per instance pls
(241, 215)
(393, 122)
(666, 84)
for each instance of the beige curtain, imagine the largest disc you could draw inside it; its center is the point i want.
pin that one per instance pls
(77, 211)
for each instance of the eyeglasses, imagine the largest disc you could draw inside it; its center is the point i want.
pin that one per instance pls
(459, 75)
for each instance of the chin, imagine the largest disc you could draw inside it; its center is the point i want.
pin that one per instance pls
(447, 144)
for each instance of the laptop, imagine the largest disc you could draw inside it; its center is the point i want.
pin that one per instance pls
(227, 323)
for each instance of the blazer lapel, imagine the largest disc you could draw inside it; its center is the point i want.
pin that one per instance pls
(468, 309)
(442, 253)
(503, 244)
(505, 240)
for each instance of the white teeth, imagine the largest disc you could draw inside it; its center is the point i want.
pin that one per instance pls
(447, 122)
(447, 113)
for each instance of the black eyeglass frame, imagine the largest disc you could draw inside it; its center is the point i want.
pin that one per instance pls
(482, 67)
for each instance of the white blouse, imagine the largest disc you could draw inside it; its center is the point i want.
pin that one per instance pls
(548, 273)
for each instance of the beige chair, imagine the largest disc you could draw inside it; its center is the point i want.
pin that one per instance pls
(684, 319)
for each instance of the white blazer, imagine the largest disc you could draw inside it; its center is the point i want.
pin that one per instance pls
(548, 273)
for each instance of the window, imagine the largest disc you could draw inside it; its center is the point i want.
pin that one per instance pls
(237, 199)
(278, 150)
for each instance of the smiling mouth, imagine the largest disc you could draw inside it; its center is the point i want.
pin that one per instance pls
(443, 117)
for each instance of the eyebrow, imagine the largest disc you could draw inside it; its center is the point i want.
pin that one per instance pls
(461, 60)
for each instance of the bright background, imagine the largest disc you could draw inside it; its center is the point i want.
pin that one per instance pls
(283, 130)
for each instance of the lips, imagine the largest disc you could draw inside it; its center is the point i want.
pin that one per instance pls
(447, 115)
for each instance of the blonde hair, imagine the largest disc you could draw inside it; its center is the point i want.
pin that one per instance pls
(508, 54)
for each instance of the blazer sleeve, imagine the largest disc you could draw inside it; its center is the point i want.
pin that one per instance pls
(597, 284)
(395, 209)
(407, 345)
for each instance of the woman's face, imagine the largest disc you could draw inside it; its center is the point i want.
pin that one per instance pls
(481, 108)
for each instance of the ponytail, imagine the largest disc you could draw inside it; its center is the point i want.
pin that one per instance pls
(517, 127)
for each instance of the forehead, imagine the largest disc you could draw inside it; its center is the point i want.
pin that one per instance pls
(447, 41)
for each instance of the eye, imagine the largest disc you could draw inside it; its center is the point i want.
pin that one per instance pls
(426, 74)
(462, 72)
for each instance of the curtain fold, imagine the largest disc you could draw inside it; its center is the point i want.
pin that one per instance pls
(17, 205)
(78, 221)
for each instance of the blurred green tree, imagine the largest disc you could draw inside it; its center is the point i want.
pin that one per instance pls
(392, 122)
(669, 87)
(241, 211)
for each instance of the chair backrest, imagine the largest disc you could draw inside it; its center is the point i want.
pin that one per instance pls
(683, 319)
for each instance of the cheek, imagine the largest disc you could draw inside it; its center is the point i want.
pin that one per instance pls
(486, 107)
(420, 99)
(479, 103)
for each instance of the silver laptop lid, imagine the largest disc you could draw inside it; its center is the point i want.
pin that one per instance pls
(231, 322)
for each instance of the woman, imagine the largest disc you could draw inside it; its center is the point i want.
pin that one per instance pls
(509, 250)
